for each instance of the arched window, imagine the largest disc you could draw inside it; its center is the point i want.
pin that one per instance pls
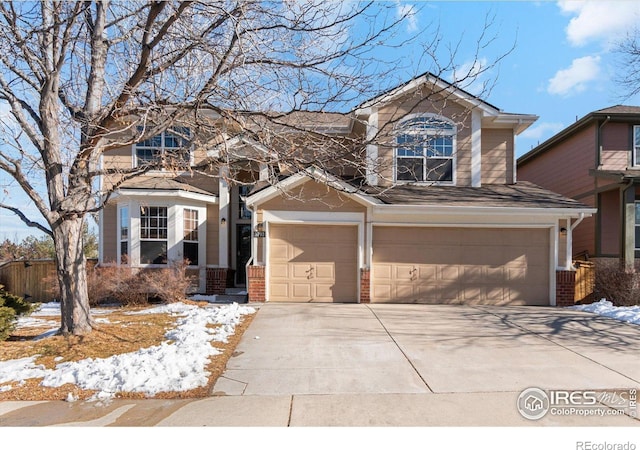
(425, 149)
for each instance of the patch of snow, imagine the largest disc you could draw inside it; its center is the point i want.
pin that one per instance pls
(20, 369)
(32, 322)
(630, 314)
(203, 298)
(178, 364)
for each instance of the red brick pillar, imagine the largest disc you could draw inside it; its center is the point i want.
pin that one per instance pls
(257, 284)
(216, 280)
(365, 285)
(565, 287)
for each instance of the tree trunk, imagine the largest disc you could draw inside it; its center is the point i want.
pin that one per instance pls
(72, 277)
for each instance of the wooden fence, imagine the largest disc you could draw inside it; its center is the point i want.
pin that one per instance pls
(585, 281)
(31, 279)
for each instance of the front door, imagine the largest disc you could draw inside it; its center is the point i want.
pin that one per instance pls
(243, 252)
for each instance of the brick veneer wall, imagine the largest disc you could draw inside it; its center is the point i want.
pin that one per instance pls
(565, 287)
(365, 286)
(216, 280)
(257, 284)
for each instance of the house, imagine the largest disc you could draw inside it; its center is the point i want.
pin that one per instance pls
(433, 214)
(596, 161)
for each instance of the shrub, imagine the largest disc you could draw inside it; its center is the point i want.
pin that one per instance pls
(130, 287)
(168, 285)
(11, 306)
(618, 285)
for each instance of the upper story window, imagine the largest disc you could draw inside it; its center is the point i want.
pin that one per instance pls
(170, 148)
(425, 150)
(636, 145)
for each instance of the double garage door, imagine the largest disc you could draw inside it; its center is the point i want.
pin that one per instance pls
(319, 263)
(461, 266)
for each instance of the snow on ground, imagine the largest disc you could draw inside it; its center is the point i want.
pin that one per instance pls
(178, 364)
(605, 308)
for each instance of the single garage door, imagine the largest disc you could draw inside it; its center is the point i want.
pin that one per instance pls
(313, 263)
(461, 265)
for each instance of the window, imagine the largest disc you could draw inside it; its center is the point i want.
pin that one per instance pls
(153, 235)
(425, 149)
(243, 211)
(636, 145)
(124, 235)
(190, 241)
(169, 149)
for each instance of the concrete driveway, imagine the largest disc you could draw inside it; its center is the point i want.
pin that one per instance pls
(428, 365)
(408, 349)
(390, 365)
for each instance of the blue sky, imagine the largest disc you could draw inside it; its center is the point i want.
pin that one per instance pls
(562, 66)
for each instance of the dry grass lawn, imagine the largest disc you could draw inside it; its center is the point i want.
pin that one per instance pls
(125, 333)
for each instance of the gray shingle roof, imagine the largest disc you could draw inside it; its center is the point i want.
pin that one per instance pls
(520, 195)
(162, 184)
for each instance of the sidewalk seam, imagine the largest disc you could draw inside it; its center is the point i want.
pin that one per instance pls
(400, 348)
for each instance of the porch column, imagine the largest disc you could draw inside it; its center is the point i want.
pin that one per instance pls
(224, 217)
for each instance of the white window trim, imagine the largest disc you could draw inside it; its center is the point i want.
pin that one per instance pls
(454, 158)
(122, 206)
(175, 231)
(635, 149)
(140, 240)
(163, 149)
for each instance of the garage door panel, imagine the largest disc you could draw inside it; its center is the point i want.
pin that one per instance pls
(325, 271)
(426, 273)
(474, 266)
(301, 290)
(313, 263)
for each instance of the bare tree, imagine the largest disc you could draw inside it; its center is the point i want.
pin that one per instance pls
(82, 78)
(628, 75)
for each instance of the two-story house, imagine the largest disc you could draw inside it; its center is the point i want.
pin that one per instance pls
(596, 161)
(435, 215)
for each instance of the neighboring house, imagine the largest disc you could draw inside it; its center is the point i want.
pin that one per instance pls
(596, 161)
(436, 216)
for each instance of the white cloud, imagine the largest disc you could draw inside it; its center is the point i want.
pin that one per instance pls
(410, 13)
(472, 76)
(542, 130)
(599, 20)
(575, 78)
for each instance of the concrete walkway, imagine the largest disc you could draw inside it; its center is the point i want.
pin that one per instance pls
(390, 365)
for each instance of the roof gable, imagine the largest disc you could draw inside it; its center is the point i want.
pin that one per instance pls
(492, 116)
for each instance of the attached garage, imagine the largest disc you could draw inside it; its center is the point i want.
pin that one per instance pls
(313, 263)
(498, 266)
